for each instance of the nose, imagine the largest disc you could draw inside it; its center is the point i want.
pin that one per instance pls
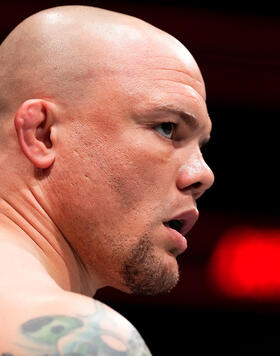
(195, 176)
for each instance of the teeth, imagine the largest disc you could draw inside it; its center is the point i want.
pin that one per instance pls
(175, 224)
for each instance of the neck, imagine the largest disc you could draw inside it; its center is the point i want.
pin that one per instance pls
(23, 214)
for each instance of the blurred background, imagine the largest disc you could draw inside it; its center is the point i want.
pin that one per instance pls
(227, 301)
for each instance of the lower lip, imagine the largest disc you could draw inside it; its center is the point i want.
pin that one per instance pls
(180, 243)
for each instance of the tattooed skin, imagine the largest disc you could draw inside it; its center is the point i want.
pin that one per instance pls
(62, 335)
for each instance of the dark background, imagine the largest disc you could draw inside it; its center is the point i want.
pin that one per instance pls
(237, 46)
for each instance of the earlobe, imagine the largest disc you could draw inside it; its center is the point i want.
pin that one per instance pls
(33, 123)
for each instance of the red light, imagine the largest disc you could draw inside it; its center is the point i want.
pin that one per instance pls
(246, 263)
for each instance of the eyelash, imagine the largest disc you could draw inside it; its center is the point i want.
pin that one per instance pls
(174, 126)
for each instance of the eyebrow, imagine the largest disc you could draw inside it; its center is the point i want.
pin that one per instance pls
(189, 119)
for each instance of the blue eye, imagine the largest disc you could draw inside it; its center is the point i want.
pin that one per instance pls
(166, 129)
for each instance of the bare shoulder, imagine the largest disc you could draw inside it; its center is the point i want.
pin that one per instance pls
(74, 325)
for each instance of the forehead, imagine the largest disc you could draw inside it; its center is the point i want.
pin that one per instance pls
(141, 71)
(160, 72)
(156, 55)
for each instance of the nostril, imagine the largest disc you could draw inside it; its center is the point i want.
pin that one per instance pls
(197, 185)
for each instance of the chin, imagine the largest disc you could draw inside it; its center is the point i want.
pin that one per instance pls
(152, 288)
(152, 276)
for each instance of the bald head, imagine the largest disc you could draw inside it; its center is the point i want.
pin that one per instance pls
(57, 52)
(50, 53)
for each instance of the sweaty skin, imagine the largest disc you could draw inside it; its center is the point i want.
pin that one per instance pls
(95, 156)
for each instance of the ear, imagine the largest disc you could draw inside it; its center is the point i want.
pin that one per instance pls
(33, 123)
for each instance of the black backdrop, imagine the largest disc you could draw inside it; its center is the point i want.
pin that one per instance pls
(237, 47)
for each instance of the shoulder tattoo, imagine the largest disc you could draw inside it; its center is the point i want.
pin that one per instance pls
(79, 335)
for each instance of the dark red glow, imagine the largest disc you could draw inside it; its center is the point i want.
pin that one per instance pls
(246, 263)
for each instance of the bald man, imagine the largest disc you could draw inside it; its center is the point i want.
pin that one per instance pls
(102, 119)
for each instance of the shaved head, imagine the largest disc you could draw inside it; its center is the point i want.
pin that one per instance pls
(57, 52)
(54, 52)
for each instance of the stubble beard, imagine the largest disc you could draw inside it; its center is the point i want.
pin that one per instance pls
(144, 272)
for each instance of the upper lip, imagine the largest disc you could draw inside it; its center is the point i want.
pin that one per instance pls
(189, 218)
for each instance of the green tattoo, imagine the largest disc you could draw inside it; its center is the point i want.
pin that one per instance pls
(83, 335)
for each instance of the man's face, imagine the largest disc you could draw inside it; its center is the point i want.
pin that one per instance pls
(135, 165)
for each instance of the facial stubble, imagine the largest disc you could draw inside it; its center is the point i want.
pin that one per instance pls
(145, 273)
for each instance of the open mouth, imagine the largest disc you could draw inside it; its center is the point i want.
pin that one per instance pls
(175, 224)
(184, 222)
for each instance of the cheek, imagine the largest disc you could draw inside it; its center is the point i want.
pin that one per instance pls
(118, 172)
(140, 174)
